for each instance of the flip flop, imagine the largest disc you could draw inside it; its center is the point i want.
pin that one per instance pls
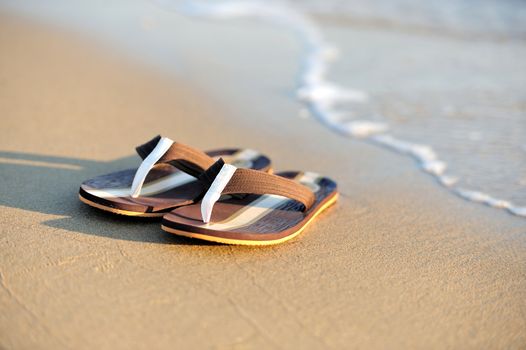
(275, 209)
(167, 178)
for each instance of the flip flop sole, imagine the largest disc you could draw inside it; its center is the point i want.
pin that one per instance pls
(256, 219)
(166, 187)
(332, 200)
(119, 211)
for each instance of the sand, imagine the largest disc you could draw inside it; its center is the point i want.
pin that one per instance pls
(398, 263)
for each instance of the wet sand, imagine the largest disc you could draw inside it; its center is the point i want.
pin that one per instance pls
(397, 263)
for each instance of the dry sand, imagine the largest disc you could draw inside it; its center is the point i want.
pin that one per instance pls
(398, 263)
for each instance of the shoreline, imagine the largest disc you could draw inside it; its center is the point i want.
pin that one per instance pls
(397, 262)
(318, 90)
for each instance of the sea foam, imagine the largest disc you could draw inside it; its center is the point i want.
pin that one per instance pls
(323, 97)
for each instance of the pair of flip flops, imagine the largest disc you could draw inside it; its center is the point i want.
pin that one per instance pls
(226, 196)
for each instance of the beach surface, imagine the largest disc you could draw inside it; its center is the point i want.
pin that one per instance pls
(398, 263)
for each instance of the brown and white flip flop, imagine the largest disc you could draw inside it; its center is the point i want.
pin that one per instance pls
(167, 178)
(274, 209)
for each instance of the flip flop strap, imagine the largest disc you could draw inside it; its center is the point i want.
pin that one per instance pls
(258, 182)
(230, 180)
(188, 159)
(163, 150)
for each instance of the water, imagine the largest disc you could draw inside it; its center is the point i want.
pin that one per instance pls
(503, 18)
(458, 106)
(441, 82)
(465, 96)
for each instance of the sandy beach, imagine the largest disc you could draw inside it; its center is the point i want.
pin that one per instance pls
(398, 263)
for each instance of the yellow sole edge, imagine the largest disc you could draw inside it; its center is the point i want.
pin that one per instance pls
(330, 202)
(119, 211)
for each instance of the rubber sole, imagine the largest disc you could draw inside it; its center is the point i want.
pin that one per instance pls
(326, 205)
(120, 211)
(133, 213)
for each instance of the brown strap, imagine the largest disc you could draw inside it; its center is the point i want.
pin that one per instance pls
(183, 157)
(258, 182)
(146, 148)
(187, 159)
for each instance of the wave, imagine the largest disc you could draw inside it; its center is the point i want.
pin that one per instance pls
(323, 97)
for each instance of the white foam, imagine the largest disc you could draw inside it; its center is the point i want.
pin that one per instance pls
(486, 199)
(363, 128)
(319, 94)
(329, 94)
(323, 97)
(425, 155)
(447, 181)
(431, 164)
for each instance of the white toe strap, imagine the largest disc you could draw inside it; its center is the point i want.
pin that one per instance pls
(214, 192)
(162, 146)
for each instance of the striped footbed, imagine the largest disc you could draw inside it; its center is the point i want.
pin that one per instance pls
(254, 217)
(165, 186)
